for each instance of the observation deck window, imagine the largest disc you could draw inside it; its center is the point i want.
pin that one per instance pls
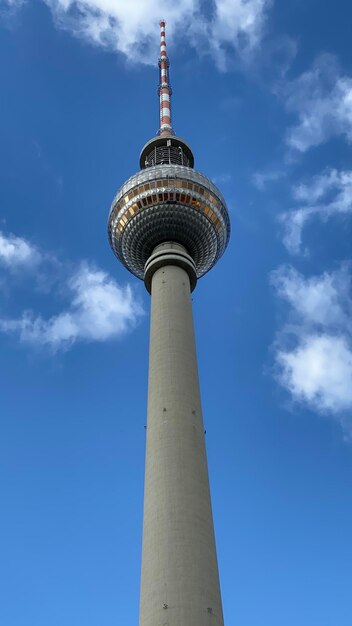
(166, 155)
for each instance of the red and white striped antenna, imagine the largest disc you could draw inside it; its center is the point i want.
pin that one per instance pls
(165, 90)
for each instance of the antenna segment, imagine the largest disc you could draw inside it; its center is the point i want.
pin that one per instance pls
(165, 90)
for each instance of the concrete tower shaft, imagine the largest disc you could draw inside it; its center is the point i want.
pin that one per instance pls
(169, 225)
(180, 582)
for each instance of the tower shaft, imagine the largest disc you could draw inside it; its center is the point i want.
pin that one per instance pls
(180, 581)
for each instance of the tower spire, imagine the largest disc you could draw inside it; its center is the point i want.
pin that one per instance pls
(165, 90)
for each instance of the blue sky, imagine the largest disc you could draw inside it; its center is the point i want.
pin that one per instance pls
(263, 94)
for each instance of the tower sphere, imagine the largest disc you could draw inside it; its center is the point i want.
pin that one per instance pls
(168, 201)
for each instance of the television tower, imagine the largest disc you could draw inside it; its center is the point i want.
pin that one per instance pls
(169, 225)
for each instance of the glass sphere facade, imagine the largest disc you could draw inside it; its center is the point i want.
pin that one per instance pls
(168, 203)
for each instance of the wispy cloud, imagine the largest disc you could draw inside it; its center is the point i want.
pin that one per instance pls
(97, 308)
(17, 252)
(326, 195)
(262, 179)
(313, 352)
(131, 27)
(237, 25)
(322, 100)
(222, 179)
(321, 301)
(11, 4)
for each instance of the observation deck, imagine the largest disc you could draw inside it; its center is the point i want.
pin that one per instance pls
(168, 202)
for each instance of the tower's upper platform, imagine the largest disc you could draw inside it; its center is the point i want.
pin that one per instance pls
(168, 203)
(168, 200)
(166, 149)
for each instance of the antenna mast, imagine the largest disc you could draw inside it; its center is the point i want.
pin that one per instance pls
(165, 90)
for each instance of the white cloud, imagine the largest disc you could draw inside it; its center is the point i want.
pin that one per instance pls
(313, 353)
(327, 194)
(98, 308)
(17, 252)
(238, 24)
(322, 99)
(320, 185)
(318, 300)
(319, 372)
(131, 28)
(293, 223)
